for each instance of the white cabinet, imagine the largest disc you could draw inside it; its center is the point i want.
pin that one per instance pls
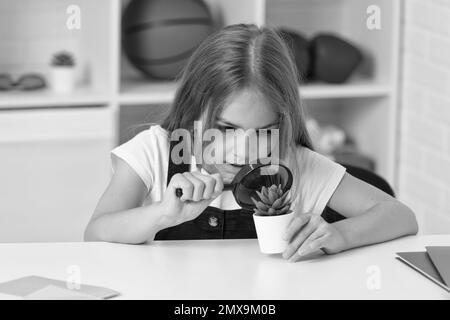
(54, 165)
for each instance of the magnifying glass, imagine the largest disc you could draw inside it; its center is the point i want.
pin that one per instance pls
(252, 177)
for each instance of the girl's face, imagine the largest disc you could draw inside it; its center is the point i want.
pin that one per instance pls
(246, 110)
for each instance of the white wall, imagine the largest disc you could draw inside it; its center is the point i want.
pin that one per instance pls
(35, 31)
(31, 32)
(425, 140)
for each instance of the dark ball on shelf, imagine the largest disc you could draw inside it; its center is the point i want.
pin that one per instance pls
(333, 58)
(158, 36)
(299, 46)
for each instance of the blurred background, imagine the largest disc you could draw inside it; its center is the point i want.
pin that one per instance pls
(78, 77)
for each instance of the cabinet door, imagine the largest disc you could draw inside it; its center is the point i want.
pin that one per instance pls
(54, 166)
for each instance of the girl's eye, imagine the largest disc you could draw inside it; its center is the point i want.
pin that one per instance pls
(258, 132)
(268, 132)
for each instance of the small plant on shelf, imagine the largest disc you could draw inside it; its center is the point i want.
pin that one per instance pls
(63, 72)
(63, 59)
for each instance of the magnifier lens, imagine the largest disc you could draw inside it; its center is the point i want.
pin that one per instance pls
(251, 179)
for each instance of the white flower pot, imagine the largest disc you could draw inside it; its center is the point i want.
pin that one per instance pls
(63, 79)
(270, 231)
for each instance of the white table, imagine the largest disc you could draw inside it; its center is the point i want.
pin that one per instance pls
(226, 269)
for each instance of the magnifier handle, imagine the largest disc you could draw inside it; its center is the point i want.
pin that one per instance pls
(179, 191)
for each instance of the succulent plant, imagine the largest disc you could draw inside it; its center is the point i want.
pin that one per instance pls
(63, 59)
(272, 201)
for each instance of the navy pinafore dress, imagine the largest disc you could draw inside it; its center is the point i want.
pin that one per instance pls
(212, 223)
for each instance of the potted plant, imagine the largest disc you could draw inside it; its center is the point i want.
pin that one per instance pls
(272, 215)
(63, 72)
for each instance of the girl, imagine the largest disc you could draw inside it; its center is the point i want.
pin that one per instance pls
(242, 77)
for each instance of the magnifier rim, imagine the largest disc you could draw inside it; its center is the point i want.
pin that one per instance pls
(248, 169)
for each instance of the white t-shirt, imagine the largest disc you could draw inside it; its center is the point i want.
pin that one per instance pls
(148, 155)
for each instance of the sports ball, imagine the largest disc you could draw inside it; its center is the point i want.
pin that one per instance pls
(333, 59)
(158, 36)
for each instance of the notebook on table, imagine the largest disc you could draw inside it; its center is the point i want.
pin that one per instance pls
(35, 287)
(433, 264)
(440, 256)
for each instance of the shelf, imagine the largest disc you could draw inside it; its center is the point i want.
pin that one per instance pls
(145, 92)
(46, 98)
(141, 92)
(362, 89)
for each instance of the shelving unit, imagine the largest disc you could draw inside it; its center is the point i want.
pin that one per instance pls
(365, 107)
(114, 82)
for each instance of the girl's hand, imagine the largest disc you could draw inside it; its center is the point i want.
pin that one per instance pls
(199, 190)
(310, 232)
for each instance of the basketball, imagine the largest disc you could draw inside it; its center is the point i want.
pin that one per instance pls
(158, 36)
(334, 59)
